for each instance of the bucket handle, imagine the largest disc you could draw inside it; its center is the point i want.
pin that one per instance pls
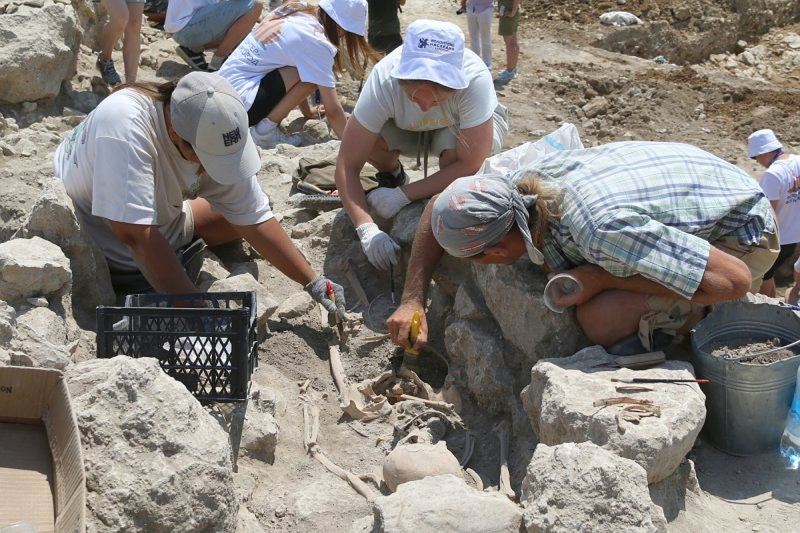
(748, 357)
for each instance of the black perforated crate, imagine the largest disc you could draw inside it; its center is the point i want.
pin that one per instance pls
(208, 344)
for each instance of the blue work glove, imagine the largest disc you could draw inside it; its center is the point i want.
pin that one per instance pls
(318, 289)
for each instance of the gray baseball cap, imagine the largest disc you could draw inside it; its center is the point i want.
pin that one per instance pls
(208, 114)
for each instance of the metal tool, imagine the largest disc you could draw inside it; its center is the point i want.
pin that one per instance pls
(751, 356)
(391, 280)
(658, 380)
(339, 326)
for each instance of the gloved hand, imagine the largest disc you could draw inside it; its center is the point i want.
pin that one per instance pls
(386, 202)
(317, 288)
(381, 250)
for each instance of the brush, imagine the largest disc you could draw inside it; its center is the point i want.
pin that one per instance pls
(658, 380)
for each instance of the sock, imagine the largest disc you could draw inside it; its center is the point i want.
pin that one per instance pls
(265, 126)
(216, 62)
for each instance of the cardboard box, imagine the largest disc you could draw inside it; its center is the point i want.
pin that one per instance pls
(42, 480)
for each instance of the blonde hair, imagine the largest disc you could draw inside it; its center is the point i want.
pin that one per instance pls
(548, 203)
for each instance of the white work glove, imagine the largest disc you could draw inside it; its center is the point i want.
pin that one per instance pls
(318, 289)
(387, 201)
(381, 250)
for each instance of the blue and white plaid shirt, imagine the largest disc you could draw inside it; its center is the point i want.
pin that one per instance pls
(651, 209)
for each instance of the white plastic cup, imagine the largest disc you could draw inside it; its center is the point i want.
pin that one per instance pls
(559, 286)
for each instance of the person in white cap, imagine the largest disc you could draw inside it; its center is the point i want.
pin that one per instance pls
(155, 166)
(781, 184)
(654, 232)
(432, 86)
(294, 51)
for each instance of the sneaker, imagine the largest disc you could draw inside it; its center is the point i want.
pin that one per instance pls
(107, 71)
(506, 76)
(192, 58)
(274, 137)
(387, 179)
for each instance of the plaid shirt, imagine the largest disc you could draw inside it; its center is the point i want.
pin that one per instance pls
(651, 209)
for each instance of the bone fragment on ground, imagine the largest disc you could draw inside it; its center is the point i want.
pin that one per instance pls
(502, 432)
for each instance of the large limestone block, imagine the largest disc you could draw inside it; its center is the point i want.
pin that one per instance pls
(559, 403)
(156, 461)
(581, 487)
(513, 295)
(479, 350)
(32, 267)
(53, 218)
(39, 52)
(445, 503)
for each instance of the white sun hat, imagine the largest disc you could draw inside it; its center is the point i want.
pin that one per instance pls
(349, 14)
(433, 50)
(762, 142)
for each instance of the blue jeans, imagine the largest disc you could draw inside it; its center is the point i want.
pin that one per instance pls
(210, 23)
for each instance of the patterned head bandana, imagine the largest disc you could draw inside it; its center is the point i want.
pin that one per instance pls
(476, 212)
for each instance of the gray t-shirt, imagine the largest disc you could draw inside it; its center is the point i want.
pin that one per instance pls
(382, 99)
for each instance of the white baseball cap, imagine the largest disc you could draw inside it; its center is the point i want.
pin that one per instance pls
(762, 142)
(433, 50)
(208, 114)
(349, 14)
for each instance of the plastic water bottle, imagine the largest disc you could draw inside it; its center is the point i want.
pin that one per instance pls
(790, 442)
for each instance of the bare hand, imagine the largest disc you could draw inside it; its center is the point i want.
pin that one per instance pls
(400, 325)
(315, 111)
(589, 277)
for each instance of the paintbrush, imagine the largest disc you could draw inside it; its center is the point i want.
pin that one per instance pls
(658, 380)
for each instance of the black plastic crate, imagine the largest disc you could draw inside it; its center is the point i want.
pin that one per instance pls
(212, 350)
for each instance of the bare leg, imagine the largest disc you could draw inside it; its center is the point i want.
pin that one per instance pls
(512, 51)
(131, 40)
(611, 316)
(118, 15)
(382, 158)
(296, 93)
(768, 287)
(210, 225)
(238, 31)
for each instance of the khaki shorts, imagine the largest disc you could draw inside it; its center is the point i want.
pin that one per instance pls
(407, 142)
(508, 25)
(671, 314)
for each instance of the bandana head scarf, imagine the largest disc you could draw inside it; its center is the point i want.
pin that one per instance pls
(476, 212)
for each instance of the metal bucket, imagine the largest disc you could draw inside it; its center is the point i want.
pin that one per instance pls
(747, 404)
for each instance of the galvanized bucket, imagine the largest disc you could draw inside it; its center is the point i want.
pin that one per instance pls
(747, 404)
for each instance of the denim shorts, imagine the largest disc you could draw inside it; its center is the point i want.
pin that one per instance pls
(210, 23)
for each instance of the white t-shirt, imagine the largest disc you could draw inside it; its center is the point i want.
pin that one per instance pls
(119, 164)
(382, 99)
(298, 41)
(777, 181)
(179, 13)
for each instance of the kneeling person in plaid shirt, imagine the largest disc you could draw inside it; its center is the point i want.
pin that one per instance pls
(655, 232)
